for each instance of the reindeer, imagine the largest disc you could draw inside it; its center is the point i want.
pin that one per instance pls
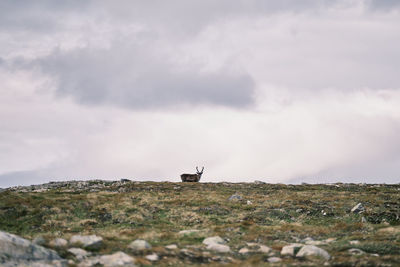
(192, 177)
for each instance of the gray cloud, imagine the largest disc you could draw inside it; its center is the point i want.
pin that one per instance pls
(137, 77)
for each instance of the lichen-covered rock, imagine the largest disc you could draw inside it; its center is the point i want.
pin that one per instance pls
(291, 250)
(58, 243)
(17, 251)
(87, 241)
(213, 240)
(113, 260)
(79, 253)
(313, 251)
(139, 245)
(218, 248)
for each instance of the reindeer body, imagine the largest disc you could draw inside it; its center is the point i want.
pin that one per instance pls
(186, 177)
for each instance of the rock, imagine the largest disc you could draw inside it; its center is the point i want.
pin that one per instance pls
(213, 240)
(244, 251)
(172, 246)
(79, 253)
(17, 251)
(259, 182)
(113, 260)
(291, 250)
(359, 208)
(58, 243)
(152, 257)
(139, 245)
(354, 242)
(363, 220)
(235, 197)
(219, 248)
(87, 241)
(313, 251)
(39, 240)
(260, 247)
(274, 259)
(249, 202)
(330, 240)
(356, 251)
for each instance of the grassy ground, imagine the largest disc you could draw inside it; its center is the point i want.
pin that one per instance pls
(270, 214)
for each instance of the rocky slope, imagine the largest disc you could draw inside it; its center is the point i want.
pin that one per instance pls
(126, 223)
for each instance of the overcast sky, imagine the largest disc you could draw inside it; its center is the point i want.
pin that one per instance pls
(280, 91)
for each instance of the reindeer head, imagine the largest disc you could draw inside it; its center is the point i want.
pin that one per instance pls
(199, 173)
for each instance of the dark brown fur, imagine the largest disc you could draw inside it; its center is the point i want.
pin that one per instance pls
(186, 177)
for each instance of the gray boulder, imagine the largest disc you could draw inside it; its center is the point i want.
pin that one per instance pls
(58, 243)
(235, 197)
(313, 251)
(139, 245)
(218, 248)
(213, 240)
(17, 251)
(79, 253)
(113, 260)
(87, 241)
(291, 250)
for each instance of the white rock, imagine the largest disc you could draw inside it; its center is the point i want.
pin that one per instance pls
(113, 260)
(359, 208)
(58, 243)
(152, 257)
(274, 259)
(21, 252)
(213, 240)
(219, 248)
(172, 246)
(139, 245)
(249, 202)
(265, 249)
(291, 249)
(79, 253)
(354, 242)
(244, 251)
(87, 241)
(310, 250)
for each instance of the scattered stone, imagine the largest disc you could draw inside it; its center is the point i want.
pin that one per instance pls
(171, 247)
(291, 250)
(235, 197)
(259, 182)
(260, 248)
(356, 251)
(313, 251)
(79, 253)
(244, 251)
(330, 240)
(359, 208)
(213, 240)
(39, 240)
(17, 251)
(139, 245)
(113, 260)
(363, 220)
(87, 241)
(58, 243)
(274, 259)
(249, 202)
(152, 257)
(219, 248)
(354, 242)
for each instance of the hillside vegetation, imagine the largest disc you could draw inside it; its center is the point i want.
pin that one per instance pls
(255, 220)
